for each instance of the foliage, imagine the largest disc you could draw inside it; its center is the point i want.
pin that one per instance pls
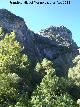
(74, 72)
(43, 67)
(1, 32)
(52, 92)
(74, 78)
(13, 66)
(19, 77)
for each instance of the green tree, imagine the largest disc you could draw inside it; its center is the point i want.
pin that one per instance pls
(74, 72)
(74, 78)
(41, 68)
(14, 67)
(52, 91)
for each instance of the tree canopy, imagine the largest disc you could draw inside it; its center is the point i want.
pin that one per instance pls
(23, 84)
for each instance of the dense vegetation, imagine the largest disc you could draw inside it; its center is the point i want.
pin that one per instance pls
(23, 84)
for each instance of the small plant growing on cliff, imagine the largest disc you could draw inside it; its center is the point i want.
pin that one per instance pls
(1, 32)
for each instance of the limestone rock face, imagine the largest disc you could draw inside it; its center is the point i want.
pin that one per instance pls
(54, 43)
(10, 22)
(61, 35)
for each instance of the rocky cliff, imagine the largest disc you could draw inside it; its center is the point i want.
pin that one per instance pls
(54, 43)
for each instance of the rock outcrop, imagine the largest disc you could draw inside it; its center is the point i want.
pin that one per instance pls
(54, 43)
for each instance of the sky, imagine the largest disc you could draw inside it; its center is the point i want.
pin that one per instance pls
(41, 16)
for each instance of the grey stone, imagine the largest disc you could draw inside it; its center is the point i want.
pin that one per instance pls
(54, 43)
